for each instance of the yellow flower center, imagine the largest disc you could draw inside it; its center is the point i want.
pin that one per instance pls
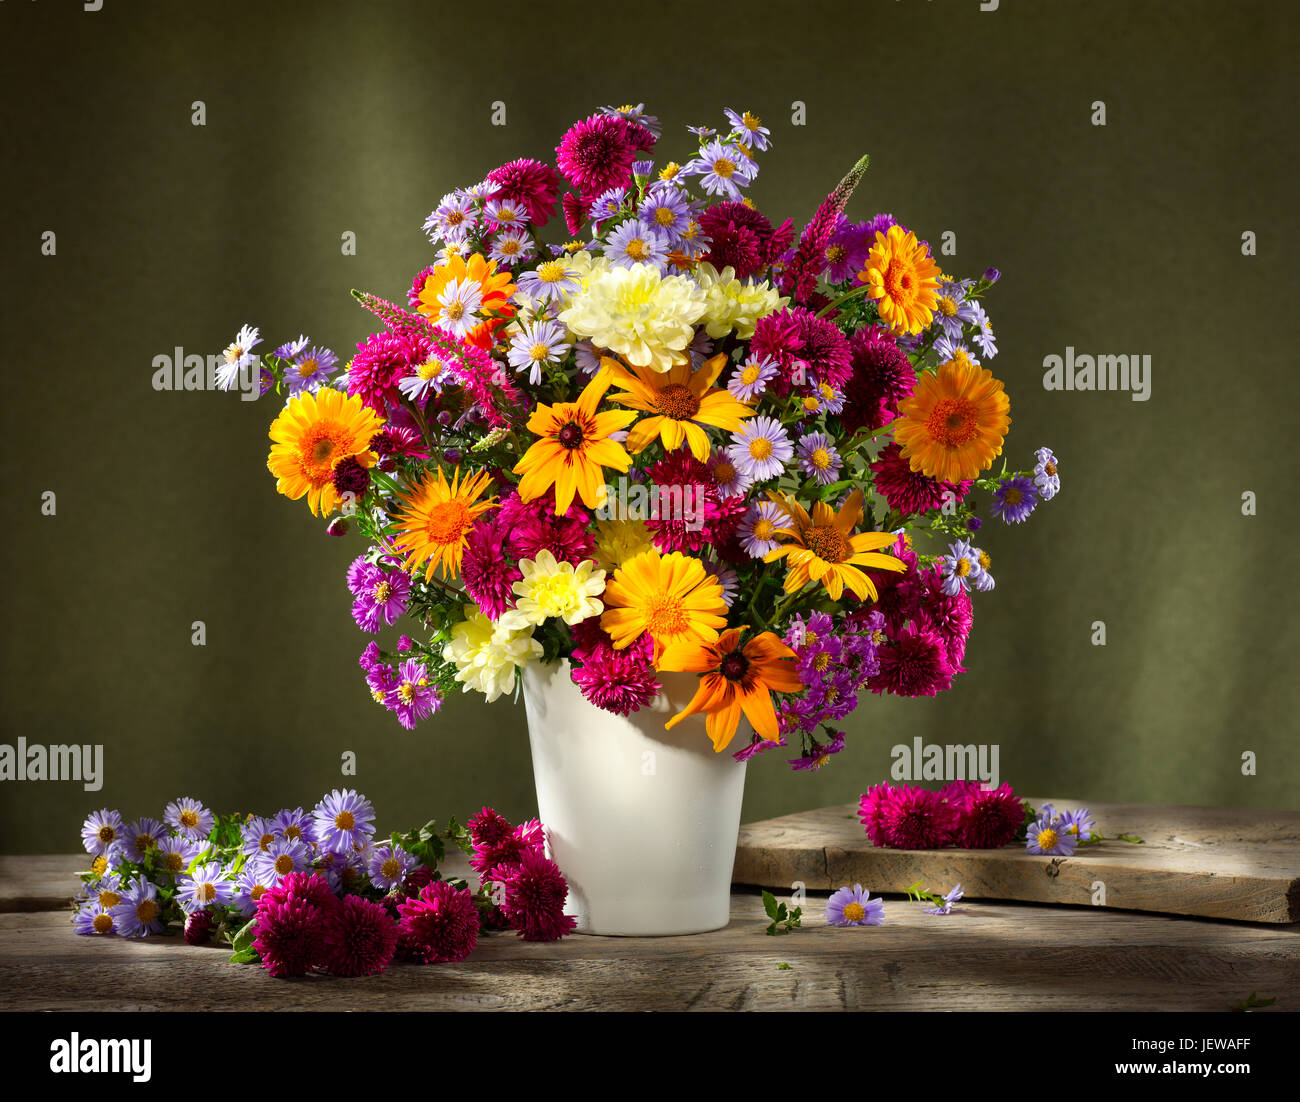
(821, 459)
(146, 911)
(106, 833)
(173, 862)
(985, 560)
(1012, 496)
(406, 691)
(454, 310)
(963, 567)
(430, 369)
(208, 892)
(677, 401)
(946, 306)
(505, 215)
(284, 864)
(664, 216)
(724, 471)
(723, 167)
(953, 422)
(812, 404)
(764, 529)
(345, 820)
(99, 866)
(383, 591)
(665, 616)
(828, 543)
(811, 638)
(539, 352)
(292, 832)
(109, 898)
(900, 281)
(307, 368)
(749, 376)
(390, 869)
(448, 522)
(255, 892)
(822, 661)
(637, 249)
(854, 912)
(455, 217)
(509, 246)
(1049, 469)
(835, 253)
(760, 448)
(750, 122)
(189, 818)
(102, 924)
(552, 271)
(671, 169)
(264, 842)
(1047, 838)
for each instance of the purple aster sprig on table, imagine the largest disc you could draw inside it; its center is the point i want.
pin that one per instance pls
(854, 907)
(939, 904)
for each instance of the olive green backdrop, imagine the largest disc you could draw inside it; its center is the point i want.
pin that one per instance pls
(326, 117)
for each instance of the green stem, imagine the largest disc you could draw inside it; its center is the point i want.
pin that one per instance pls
(857, 292)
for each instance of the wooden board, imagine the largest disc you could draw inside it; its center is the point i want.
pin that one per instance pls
(1223, 863)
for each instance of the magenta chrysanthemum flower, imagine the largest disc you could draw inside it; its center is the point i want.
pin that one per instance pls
(951, 616)
(870, 811)
(533, 898)
(987, 818)
(382, 360)
(293, 924)
(881, 377)
(438, 926)
(619, 681)
(530, 183)
(916, 818)
(487, 575)
(596, 154)
(689, 514)
(361, 941)
(810, 350)
(914, 664)
(417, 285)
(575, 213)
(909, 491)
(489, 829)
(533, 527)
(741, 237)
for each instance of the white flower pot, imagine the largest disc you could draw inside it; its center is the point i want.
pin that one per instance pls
(642, 822)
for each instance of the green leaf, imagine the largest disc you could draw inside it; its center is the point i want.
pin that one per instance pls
(1251, 1002)
(243, 940)
(783, 967)
(245, 956)
(1133, 839)
(770, 905)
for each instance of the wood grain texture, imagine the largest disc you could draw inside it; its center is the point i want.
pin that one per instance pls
(1222, 863)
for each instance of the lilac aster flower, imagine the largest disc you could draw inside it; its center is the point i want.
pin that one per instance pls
(458, 306)
(948, 900)
(846, 251)
(537, 343)
(511, 247)
(818, 755)
(759, 528)
(550, 281)
(249, 886)
(607, 204)
(643, 168)
(829, 399)
(948, 348)
(731, 483)
(586, 357)
(952, 313)
(388, 866)
(983, 581)
(237, 356)
(1047, 837)
(413, 697)
(189, 817)
(749, 129)
(750, 379)
(505, 214)
(702, 131)
(175, 854)
(761, 449)
(961, 568)
(141, 836)
(92, 920)
(723, 170)
(103, 833)
(256, 835)
(667, 210)
(280, 858)
(854, 907)
(984, 331)
(1014, 499)
(637, 115)
(1079, 824)
(290, 349)
(1047, 481)
(694, 242)
(818, 458)
(433, 374)
(206, 886)
(342, 820)
(455, 216)
(633, 243)
(757, 744)
(381, 597)
(138, 915)
(293, 824)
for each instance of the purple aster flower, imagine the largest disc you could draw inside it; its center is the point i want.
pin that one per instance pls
(960, 568)
(952, 313)
(206, 886)
(948, 900)
(607, 204)
(637, 115)
(189, 817)
(93, 920)
(250, 885)
(643, 168)
(750, 380)
(633, 243)
(846, 251)
(1080, 824)
(139, 913)
(694, 242)
(433, 374)
(1047, 837)
(175, 854)
(819, 754)
(757, 744)
(458, 305)
(829, 399)
(455, 216)
(992, 275)
(1014, 499)
(280, 858)
(1047, 481)
(102, 833)
(727, 577)
(290, 349)
(141, 836)
(511, 247)
(879, 224)
(818, 458)
(666, 210)
(388, 866)
(723, 170)
(309, 369)
(983, 581)
(854, 907)
(761, 449)
(947, 348)
(381, 597)
(256, 835)
(342, 820)
(413, 697)
(749, 129)
(550, 281)
(702, 131)
(505, 214)
(984, 331)
(973, 524)
(294, 824)
(759, 528)
(537, 343)
(731, 483)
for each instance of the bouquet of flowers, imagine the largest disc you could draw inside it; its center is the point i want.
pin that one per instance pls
(682, 439)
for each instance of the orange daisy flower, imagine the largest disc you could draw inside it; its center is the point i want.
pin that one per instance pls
(436, 520)
(680, 403)
(311, 436)
(903, 280)
(823, 548)
(735, 680)
(952, 425)
(669, 596)
(574, 448)
(495, 288)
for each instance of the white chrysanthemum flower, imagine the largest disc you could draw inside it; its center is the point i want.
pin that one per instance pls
(733, 303)
(486, 655)
(555, 590)
(646, 318)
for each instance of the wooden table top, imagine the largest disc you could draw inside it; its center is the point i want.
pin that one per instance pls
(984, 956)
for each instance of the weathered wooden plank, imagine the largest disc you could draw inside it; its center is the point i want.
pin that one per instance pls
(1225, 863)
(986, 956)
(41, 883)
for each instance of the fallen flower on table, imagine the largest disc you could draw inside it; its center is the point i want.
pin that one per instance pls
(939, 904)
(854, 907)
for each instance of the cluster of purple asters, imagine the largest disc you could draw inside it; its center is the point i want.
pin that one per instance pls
(1059, 833)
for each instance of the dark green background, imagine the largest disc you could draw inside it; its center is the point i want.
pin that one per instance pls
(328, 117)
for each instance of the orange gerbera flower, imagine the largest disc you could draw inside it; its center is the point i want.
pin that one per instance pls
(680, 403)
(669, 596)
(437, 519)
(953, 423)
(495, 289)
(311, 436)
(903, 279)
(823, 548)
(574, 448)
(735, 680)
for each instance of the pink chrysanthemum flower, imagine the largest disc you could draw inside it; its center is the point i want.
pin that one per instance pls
(951, 616)
(575, 213)
(488, 829)
(915, 663)
(916, 818)
(909, 491)
(381, 360)
(690, 513)
(488, 576)
(881, 377)
(988, 818)
(532, 527)
(438, 926)
(810, 350)
(530, 183)
(870, 809)
(533, 898)
(417, 285)
(596, 154)
(741, 238)
(619, 681)
(294, 921)
(362, 939)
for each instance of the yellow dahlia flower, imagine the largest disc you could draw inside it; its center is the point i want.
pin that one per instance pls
(486, 655)
(735, 304)
(552, 590)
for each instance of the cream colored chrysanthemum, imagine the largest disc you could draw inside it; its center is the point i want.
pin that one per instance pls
(733, 303)
(486, 655)
(619, 540)
(555, 590)
(646, 318)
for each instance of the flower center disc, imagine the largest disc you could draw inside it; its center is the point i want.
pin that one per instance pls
(828, 543)
(677, 401)
(447, 522)
(570, 436)
(953, 422)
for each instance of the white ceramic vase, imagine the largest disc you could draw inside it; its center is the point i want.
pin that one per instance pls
(642, 821)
